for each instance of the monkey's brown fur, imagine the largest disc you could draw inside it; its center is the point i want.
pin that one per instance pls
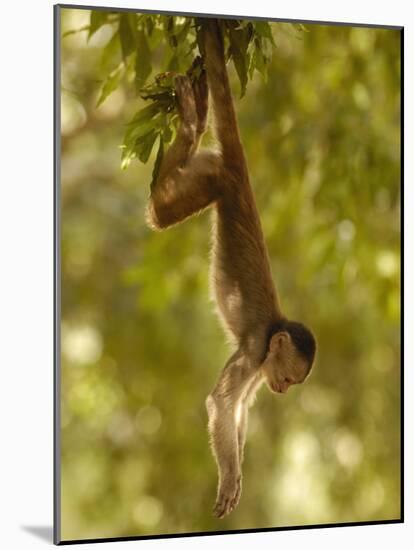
(190, 181)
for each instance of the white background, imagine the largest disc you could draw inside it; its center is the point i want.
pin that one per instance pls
(26, 254)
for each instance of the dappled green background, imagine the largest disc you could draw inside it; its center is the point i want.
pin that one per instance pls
(141, 347)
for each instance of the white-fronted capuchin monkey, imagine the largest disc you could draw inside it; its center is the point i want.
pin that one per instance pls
(269, 347)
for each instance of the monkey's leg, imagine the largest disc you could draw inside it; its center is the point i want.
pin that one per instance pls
(185, 191)
(188, 181)
(200, 90)
(219, 85)
(222, 409)
(187, 137)
(242, 431)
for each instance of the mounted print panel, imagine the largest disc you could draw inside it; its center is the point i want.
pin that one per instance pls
(228, 326)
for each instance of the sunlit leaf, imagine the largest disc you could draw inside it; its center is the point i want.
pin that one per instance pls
(144, 114)
(110, 85)
(238, 48)
(169, 24)
(167, 134)
(264, 29)
(110, 53)
(127, 36)
(143, 65)
(97, 19)
(158, 161)
(182, 32)
(144, 145)
(260, 61)
(174, 63)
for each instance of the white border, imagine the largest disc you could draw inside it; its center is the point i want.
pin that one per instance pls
(26, 304)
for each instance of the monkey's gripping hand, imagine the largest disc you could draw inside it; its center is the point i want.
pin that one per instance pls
(228, 495)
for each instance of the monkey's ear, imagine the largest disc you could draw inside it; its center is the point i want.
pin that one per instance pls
(279, 341)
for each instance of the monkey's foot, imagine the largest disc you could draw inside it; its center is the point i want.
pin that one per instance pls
(228, 497)
(185, 100)
(200, 89)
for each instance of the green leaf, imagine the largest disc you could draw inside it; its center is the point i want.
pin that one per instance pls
(139, 134)
(158, 161)
(182, 31)
(242, 23)
(110, 53)
(144, 114)
(110, 85)
(97, 19)
(252, 65)
(174, 63)
(264, 29)
(126, 157)
(198, 40)
(144, 145)
(75, 31)
(168, 24)
(156, 37)
(167, 134)
(143, 65)
(239, 42)
(149, 24)
(241, 69)
(260, 59)
(142, 129)
(126, 34)
(162, 91)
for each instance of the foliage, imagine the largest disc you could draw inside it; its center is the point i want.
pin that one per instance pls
(141, 37)
(141, 346)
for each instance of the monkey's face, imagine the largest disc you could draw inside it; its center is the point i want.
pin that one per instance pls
(283, 366)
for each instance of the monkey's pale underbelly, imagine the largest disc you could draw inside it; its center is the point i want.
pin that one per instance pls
(241, 285)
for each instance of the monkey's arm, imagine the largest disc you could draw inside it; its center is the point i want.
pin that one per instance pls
(222, 406)
(243, 412)
(242, 431)
(223, 433)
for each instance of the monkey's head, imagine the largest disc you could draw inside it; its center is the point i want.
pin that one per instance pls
(290, 355)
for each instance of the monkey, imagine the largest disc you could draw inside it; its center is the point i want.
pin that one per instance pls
(269, 348)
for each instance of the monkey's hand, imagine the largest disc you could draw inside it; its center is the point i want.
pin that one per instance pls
(228, 496)
(185, 101)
